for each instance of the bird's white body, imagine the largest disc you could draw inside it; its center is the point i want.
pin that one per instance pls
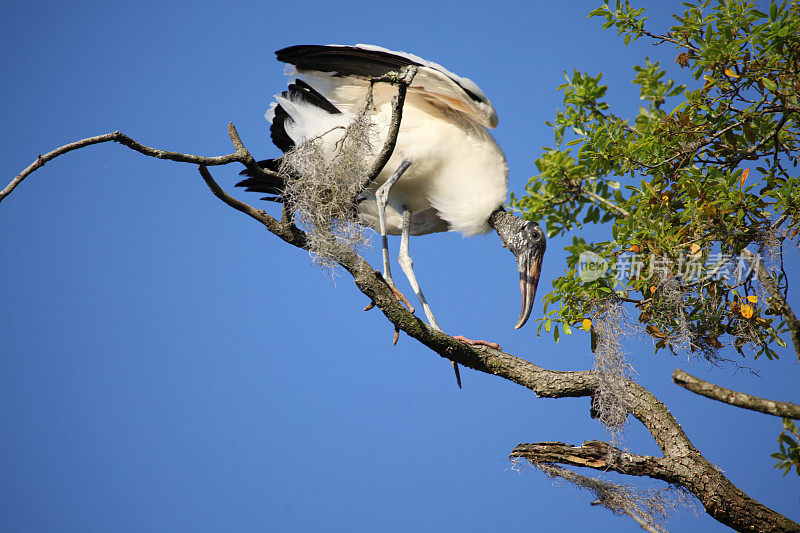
(459, 174)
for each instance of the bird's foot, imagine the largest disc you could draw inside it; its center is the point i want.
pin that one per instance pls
(478, 342)
(397, 294)
(400, 298)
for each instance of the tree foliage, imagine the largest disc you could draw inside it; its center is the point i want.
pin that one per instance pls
(685, 186)
(789, 443)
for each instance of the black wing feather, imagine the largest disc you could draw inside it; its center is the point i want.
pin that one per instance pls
(300, 90)
(350, 61)
(344, 60)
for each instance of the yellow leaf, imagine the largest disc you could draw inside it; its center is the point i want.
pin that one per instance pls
(731, 73)
(752, 299)
(587, 324)
(744, 177)
(746, 311)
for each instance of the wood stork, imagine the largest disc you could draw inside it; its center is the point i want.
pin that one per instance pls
(447, 172)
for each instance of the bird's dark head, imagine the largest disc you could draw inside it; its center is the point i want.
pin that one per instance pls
(527, 242)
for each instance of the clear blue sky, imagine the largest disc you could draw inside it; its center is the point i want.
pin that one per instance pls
(167, 365)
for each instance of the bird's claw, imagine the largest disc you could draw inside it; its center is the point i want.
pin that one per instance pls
(396, 336)
(402, 299)
(477, 342)
(400, 296)
(397, 294)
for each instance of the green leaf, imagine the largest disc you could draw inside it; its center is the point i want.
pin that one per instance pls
(769, 84)
(597, 12)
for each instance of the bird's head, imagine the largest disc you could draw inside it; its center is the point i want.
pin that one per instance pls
(527, 242)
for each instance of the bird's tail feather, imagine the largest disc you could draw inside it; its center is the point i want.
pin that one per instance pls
(271, 183)
(298, 97)
(293, 104)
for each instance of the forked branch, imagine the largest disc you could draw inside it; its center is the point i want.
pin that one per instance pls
(593, 454)
(241, 155)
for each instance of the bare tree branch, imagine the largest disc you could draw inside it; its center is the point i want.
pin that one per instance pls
(593, 454)
(403, 81)
(639, 520)
(125, 140)
(739, 399)
(702, 481)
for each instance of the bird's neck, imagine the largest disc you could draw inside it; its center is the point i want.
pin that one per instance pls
(499, 219)
(507, 227)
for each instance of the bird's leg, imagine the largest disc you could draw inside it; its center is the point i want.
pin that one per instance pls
(407, 264)
(382, 198)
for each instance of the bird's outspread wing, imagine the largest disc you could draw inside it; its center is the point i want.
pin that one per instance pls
(433, 82)
(459, 175)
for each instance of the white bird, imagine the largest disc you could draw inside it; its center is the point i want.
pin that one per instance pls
(447, 172)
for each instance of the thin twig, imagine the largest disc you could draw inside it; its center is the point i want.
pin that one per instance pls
(258, 214)
(747, 154)
(732, 397)
(611, 205)
(122, 139)
(403, 81)
(667, 38)
(639, 520)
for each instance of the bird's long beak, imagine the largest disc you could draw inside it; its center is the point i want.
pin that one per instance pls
(530, 266)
